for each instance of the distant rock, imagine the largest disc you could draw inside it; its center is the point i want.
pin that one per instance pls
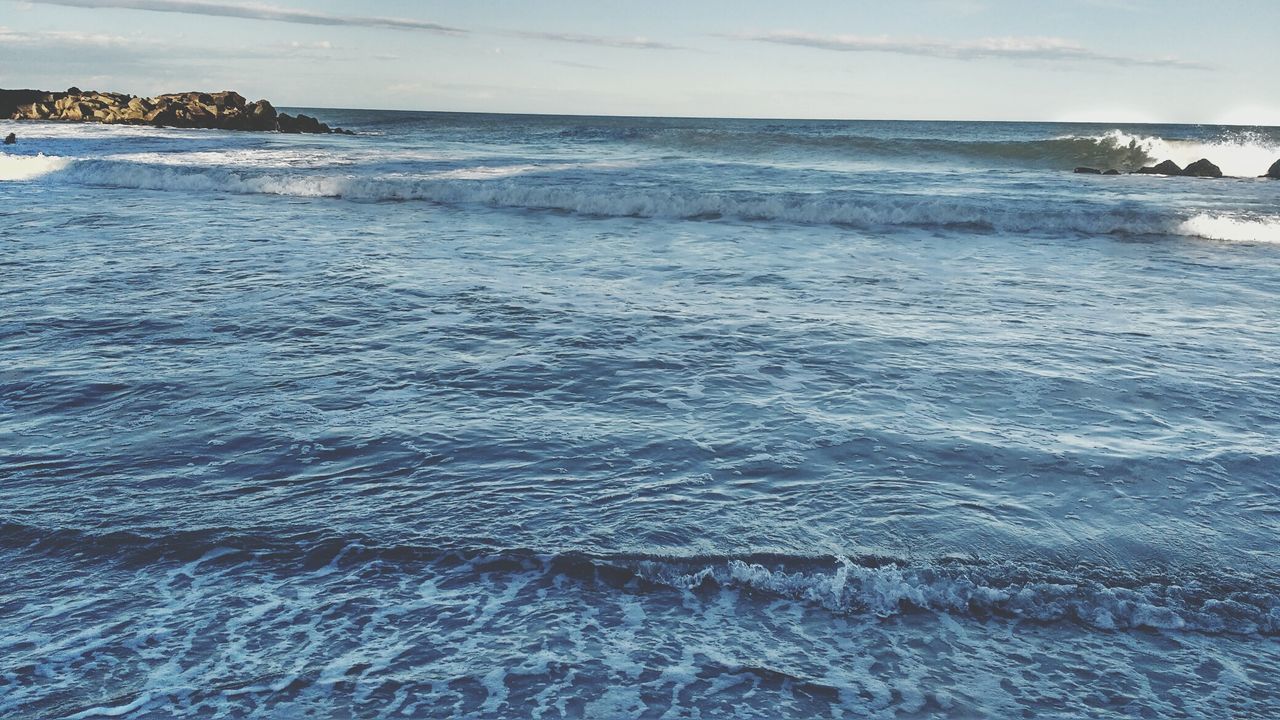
(1088, 171)
(1112, 171)
(1202, 168)
(226, 110)
(10, 139)
(1274, 172)
(301, 124)
(11, 100)
(1168, 167)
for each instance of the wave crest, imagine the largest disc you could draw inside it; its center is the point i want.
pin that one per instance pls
(605, 198)
(1105, 601)
(606, 194)
(30, 167)
(1104, 598)
(1239, 154)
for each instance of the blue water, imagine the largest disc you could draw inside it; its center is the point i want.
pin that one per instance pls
(493, 416)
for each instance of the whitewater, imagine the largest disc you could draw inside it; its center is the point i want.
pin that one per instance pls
(487, 416)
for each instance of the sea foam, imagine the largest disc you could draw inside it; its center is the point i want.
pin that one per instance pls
(30, 167)
(1240, 154)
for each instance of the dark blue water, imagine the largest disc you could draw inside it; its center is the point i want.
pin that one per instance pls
(486, 416)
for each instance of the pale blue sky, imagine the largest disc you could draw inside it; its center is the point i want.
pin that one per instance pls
(1103, 60)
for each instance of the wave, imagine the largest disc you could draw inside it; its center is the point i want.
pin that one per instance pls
(1230, 228)
(529, 188)
(1102, 598)
(1105, 599)
(1238, 153)
(30, 167)
(1052, 153)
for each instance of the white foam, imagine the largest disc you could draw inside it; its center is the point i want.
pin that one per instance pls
(1233, 229)
(112, 711)
(1244, 154)
(890, 590)
(29, 167)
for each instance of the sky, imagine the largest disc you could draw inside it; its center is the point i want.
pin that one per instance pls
(1058, 60)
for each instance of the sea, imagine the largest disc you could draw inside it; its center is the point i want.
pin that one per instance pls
(504, 416)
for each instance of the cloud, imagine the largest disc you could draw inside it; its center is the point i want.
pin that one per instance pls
(630, 43)
(581, 66)
(74, 48)
(1023, 48)
(10, 38)
(256, 11)
(259, 11)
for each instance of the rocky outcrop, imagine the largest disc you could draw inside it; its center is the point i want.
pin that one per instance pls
(1168, 167)
(226, 110)
(305, 124)
(1202, 168)
(1274, 172)
(10, 139)
(1112, 171)
(11, 100)
(1087, 171)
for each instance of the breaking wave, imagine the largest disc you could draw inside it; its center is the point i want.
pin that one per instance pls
(1105, 600)
(1053, 153)
(1102, 598)
(531, 189)
(1238, 153)
(1232, 229)
(29, 167)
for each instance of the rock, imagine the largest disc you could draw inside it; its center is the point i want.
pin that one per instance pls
(10, 139)
(1112, 171)
(300, 124)
(1202, 168)
(262, 116)
(12, 101)
(1274, 172)
(1088, 171)
(225, 110)
(1168, 167)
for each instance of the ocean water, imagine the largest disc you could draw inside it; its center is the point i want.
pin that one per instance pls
(478, 416)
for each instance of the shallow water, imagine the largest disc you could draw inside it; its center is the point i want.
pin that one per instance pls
(492, 416)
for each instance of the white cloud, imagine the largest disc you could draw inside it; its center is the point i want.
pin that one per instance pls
(12, 38)
(257, 11)
(631, 43)
(1024, 48)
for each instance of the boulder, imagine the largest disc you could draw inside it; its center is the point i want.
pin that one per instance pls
(262, 116)
(228, 99)
(10, 139)
(11, 101)
(1202, 168)
(1168, 167)
(1088, 171)
(300, 124)
(1112, 171)
(1274, 172)
(225, 110)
